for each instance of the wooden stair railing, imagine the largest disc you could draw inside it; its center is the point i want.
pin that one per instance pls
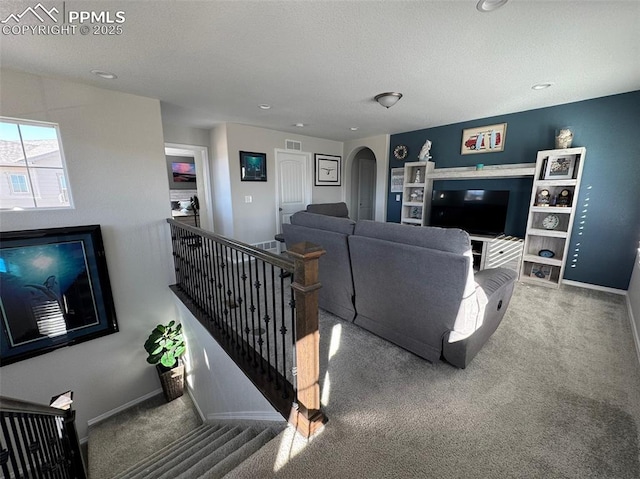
(265, 321)
(38, 441)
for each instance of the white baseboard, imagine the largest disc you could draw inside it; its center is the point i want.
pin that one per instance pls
(119, 409)
(246, 416)
(580, 284)
(195, 403)
(634, 329)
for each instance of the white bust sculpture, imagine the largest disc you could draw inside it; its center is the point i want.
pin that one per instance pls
(424, 152)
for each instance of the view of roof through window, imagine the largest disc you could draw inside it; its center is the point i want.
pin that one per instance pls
(32, 172)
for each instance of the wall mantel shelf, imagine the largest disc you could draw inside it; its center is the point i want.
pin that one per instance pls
(516, 170)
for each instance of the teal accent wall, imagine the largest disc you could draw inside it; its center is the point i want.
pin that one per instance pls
(606, 234)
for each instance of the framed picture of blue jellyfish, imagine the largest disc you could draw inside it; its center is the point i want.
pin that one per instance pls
(54, 290)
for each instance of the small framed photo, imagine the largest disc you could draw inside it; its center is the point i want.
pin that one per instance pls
(560, 167)
(253, 166)
(328, 170)
(397, 180)
(541, 271)
(484, 139)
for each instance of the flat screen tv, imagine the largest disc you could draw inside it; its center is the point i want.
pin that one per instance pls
(481, 212)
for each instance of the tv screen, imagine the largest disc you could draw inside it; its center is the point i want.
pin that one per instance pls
(481, 212)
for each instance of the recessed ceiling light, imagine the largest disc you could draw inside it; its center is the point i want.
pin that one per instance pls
(103, 74)
(299, 125)
(490, 5)
(264, 106)
(541, 86)
(354, 128)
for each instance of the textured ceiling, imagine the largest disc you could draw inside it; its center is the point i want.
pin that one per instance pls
(321, 63)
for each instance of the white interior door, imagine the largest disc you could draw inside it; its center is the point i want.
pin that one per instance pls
(293, 184)
(366, 188)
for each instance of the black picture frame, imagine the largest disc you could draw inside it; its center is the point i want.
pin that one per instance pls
(54, 290)
(328, 170)
(182, 172)
(253, 166)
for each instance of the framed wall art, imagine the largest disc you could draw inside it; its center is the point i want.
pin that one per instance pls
(397, 180)
(253, 166)
(54, 290)
(182, 172)
(485, 139)
(328, 170)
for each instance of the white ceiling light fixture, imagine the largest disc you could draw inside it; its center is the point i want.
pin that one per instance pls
(300, 125)
(104, 74)
(354, 128)
(542, 86)
(388, 99)
(264, 106)
(485, 6)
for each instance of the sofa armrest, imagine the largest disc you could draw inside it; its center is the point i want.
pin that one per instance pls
(492, 279)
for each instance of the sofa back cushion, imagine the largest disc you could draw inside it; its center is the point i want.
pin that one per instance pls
(450, 240)
(330, 209)
(343, 226)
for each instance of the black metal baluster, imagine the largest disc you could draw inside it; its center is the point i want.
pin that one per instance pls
(275, 325)
(210, 283)
(260, 340)
(29, 444)
(12, 445)
(227, 292)
(252, 309)
(294, 359)
(246, 330)
(233, 304)
(54, 440)
(196, 254)
(220, 286)
(266, 318)
(239, 300)
(181, 261)
(18, 442)
(283, 332)
(47, 464)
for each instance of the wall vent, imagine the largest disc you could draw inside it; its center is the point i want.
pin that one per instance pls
(293, 145)
(267, 246)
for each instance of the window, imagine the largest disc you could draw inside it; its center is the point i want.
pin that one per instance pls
(32, 169)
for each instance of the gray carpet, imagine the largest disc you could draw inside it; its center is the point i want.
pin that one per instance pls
(129, 437)
(555, 393)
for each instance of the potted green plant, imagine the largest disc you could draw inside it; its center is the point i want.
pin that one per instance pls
(166, 346)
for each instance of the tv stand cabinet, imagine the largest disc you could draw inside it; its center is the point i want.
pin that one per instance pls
(496, 252)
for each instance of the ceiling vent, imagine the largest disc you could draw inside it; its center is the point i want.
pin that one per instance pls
(293, 145)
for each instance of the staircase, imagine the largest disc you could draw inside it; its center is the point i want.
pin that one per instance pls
(208, 452)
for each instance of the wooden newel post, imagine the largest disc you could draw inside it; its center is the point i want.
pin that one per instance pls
(308, 417)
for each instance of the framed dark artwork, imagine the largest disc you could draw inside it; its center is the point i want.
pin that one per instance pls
(253, 166)
(182, 172)
(54, 290)
(328, 170)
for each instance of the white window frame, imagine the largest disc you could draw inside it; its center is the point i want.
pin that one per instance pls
(13, 186)
(30, 186)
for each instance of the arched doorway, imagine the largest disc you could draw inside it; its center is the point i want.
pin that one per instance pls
(363, 185)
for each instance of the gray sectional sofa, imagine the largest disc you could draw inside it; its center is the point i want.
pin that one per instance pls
(413, 286)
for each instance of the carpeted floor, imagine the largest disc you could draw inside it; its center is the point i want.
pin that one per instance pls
(129, 437)
(555, 393)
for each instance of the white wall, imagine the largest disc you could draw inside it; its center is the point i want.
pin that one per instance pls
(114, 148)
(633, 296)
(185, 135)
(256, 221)
(380, 147)
(218, 387)
(221, 181)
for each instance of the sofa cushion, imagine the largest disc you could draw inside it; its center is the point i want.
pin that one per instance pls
(323, 222)
(330, 209)
(450, 240)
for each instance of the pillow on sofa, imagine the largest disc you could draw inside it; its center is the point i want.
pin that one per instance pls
(451, 240)
(323, 222)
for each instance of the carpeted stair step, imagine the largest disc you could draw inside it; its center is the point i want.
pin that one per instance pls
(173, 452)
(239, 455)
(208, 460)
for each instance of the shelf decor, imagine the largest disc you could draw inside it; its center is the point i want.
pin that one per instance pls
(253, 166)
(560, 167)
(397, 180)
(485, 139)
(328, 169)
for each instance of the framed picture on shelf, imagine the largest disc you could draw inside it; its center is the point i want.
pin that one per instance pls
(485, 139)
(327, 170)
(253, 166)
(397, 180)
(541, 271)
(560, 167)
